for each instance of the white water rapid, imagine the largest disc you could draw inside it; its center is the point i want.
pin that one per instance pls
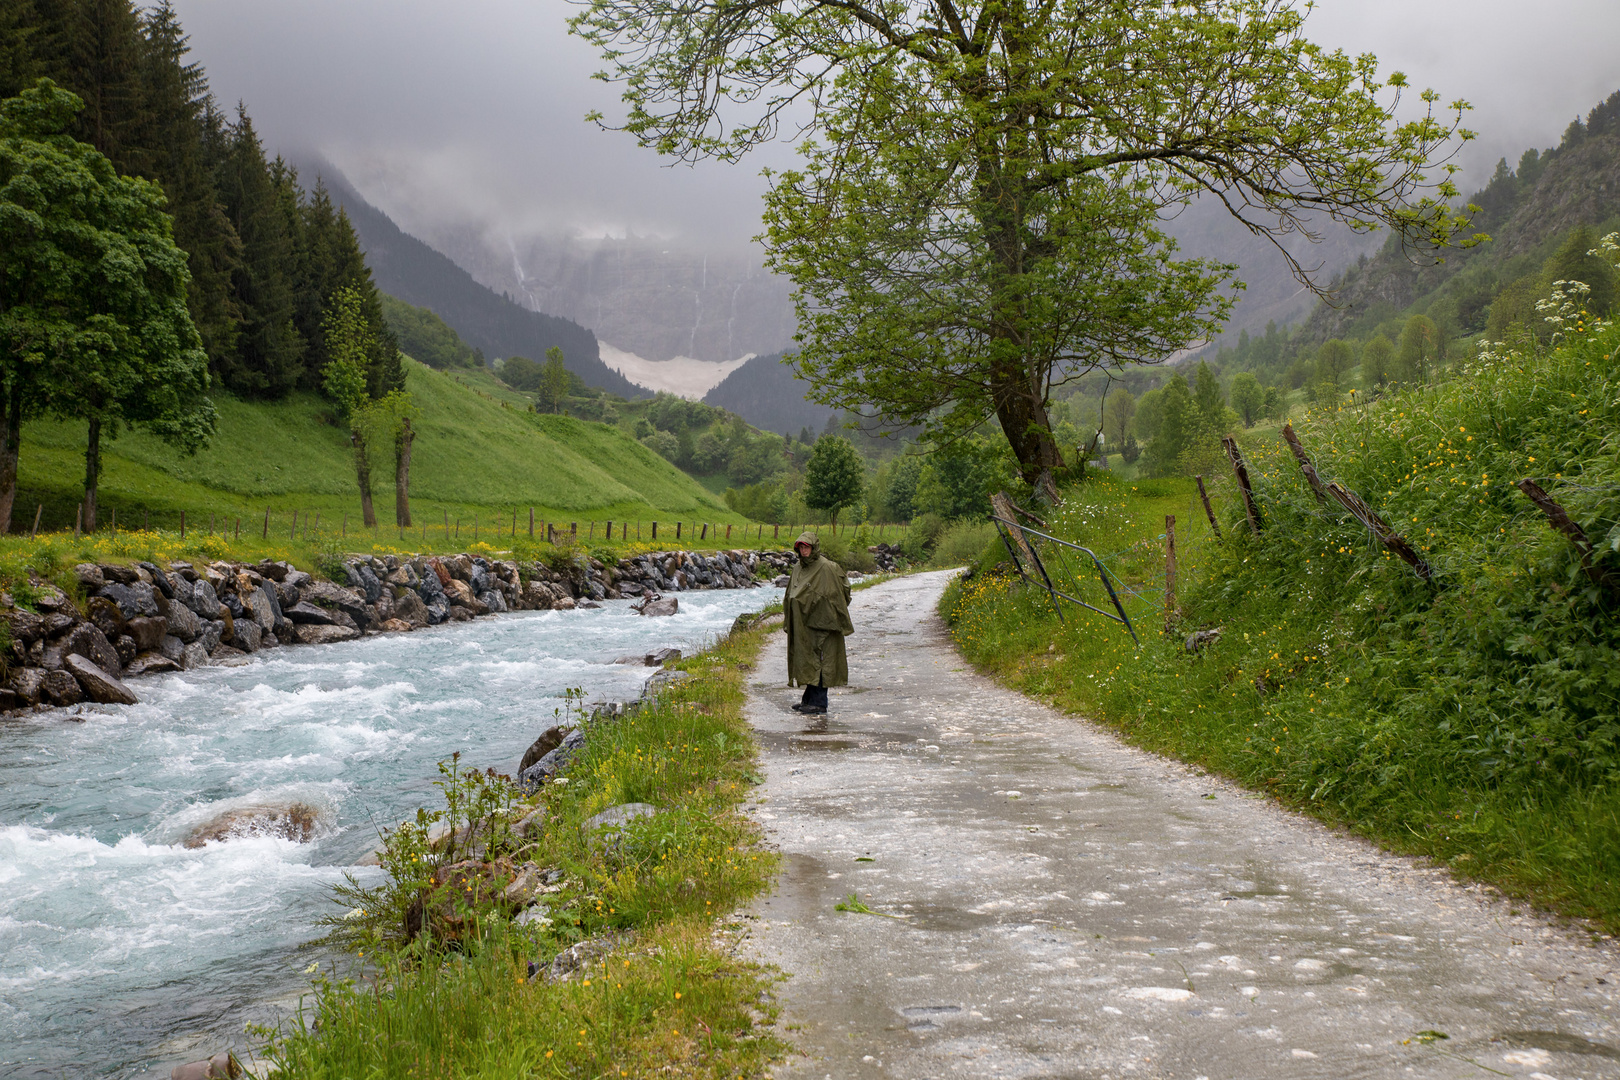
(123, 952)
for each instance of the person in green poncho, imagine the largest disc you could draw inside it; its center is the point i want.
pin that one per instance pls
(816, 620)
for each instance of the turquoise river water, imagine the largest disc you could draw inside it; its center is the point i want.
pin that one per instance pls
(122, 952)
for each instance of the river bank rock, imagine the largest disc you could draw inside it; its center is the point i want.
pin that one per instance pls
(97, 684)
(129, 620)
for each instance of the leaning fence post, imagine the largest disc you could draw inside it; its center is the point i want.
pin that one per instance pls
(1242, 473)
(266, 523)
(1170, 612)
(1559, 519)
(1305, 465)
(1209, 511)
(1387, 536)
(40, 509)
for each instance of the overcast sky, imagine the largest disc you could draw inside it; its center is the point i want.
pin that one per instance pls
(474, 108)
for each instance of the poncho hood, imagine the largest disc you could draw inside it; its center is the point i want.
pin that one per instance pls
(808, 537)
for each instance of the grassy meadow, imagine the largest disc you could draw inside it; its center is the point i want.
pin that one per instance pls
(479, 457)
(1474, 719)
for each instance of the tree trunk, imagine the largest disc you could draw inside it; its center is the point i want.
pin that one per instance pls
(402, 473)
(1029, 431)
(92, 473)
(10, 444)
(362, 473)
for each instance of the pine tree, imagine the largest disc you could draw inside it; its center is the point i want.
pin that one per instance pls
(178, 117)
(268, 359)
(104, 70)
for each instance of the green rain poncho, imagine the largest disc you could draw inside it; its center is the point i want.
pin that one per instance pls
(816, 620)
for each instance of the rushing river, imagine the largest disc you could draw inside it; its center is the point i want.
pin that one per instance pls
(122, 952)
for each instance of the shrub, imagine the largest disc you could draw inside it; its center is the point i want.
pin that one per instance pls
(964, 542)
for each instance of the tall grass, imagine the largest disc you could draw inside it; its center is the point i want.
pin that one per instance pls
(1475, 719)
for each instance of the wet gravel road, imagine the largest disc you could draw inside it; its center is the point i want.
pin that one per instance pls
(1048, 902)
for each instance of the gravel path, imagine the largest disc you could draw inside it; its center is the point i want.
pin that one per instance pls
(1052, 903)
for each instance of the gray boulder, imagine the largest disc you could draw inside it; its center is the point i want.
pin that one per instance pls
(554, 762)
(549, 740)
(90, 576)
(492, 600)
(60, 688)
(409, 608)
(132, 600)
(203, 600)
(317, 634)
(146, 632)
(307, 613)
(184, 623)
(85, 640)
(660, 681)
(246, 635)
(26, 684)
(97, 684)
(356, 606)
(159, 579)
(362, 577)
(172, 647)
(663, 605)
(212, 631)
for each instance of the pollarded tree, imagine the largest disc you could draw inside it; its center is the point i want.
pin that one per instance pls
(93, 319)
(978, 215)
(833, 478)
(349, 346)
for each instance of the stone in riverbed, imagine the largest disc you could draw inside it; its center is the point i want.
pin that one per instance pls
(194, 656)
(316, 634)
(663, 605)
(97, 684)
(150, 663)
(563, 603)
(394, 626)
(222, 1066)
(293, 821)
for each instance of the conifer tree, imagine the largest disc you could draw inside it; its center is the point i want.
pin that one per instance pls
(268, 358)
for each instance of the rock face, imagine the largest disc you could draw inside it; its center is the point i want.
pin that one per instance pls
(97, 684)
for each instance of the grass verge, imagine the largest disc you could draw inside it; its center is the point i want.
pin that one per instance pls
(1474, 718)
(665, 998)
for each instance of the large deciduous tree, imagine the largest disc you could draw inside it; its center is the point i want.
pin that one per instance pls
(978, 215)
(93, 319)
(834, 476)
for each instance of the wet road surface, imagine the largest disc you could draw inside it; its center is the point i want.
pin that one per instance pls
(1047, 902)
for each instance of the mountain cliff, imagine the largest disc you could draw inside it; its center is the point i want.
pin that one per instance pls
(409, 269)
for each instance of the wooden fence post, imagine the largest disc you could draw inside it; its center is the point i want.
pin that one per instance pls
(655, 530)
(182, 524)
(677, 531)
(1170, 611)
(238, 528)
(1305, 465)
(1558, 518)
(1380, 528)
(705, 534)
(266, 524)
(531, 523)
(1242, 473)
(345, 524)
(40, 509)
(609, 534)
(1209, 511)
(573, 530)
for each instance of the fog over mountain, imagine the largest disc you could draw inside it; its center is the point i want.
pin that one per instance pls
(464, 123)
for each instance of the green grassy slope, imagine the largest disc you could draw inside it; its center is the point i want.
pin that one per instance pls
(478, 453)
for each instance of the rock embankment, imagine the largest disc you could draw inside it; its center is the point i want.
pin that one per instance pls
(129, 620)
